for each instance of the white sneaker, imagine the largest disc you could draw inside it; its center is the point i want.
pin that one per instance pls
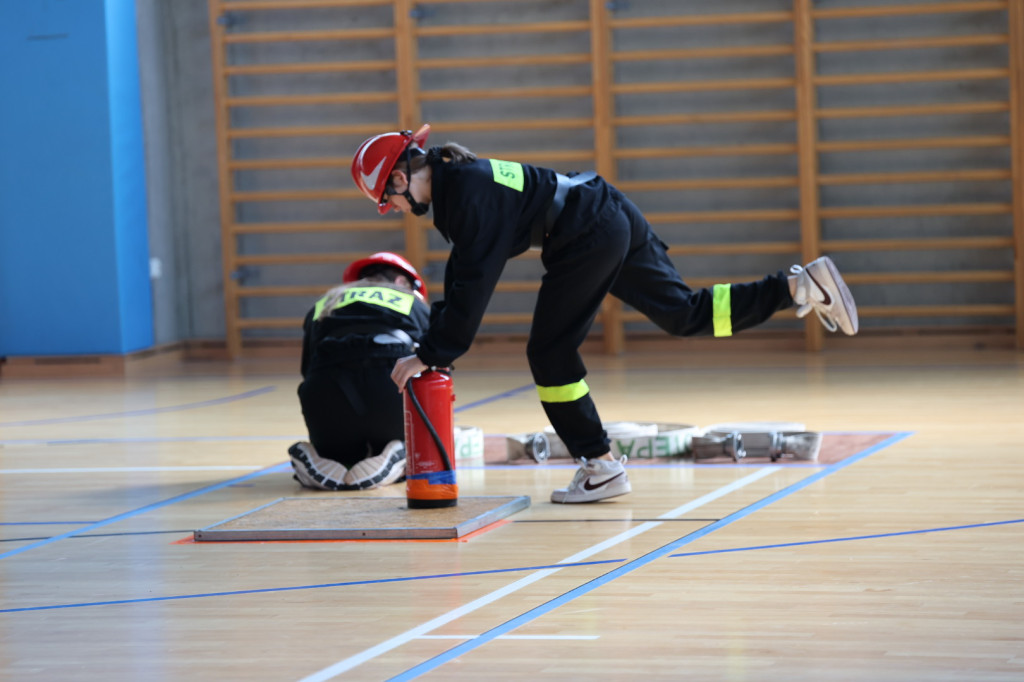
(313, 471)
(596, 479)
(383, 469)
(821, 288)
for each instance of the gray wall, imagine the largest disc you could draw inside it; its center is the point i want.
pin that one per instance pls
(181, 152)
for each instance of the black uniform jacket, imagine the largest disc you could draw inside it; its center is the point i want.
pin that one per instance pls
(487, 210)
(345, 334)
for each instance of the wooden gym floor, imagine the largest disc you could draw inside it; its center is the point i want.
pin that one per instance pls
(903, 560)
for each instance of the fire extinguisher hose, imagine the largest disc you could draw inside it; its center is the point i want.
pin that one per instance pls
(430, 427)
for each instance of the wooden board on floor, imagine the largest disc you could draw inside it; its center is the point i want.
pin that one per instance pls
(361, 518)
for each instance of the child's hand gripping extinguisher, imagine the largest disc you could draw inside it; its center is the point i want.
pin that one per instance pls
(429, 441)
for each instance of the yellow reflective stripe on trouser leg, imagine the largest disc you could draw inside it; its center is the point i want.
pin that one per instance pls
(563, 394)
(722, 309)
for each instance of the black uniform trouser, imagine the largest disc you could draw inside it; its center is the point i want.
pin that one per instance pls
(352, 411)
(621, 255)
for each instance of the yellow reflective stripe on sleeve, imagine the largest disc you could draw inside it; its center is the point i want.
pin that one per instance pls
(399, 301)
(563, 394)
(319, 308)
(508, 173)
(721, 307)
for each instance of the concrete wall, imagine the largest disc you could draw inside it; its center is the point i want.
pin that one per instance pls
(181, 159)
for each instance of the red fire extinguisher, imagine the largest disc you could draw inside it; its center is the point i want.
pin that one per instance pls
(430, 441)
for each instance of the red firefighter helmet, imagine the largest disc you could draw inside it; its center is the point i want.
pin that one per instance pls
(355, 270)
(376, 158)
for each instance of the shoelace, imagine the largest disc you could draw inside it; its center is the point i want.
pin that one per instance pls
(582, 473)
(803, 285)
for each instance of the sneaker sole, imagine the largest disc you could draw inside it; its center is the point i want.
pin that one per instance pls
(303, 473)
(392, 470)
(848, 321)
(300, 470)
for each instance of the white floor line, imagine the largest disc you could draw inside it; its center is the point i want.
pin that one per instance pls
(120, 470)
(465, 637)
(421, 630)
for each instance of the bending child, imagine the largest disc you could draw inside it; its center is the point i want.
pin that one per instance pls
(593, 241)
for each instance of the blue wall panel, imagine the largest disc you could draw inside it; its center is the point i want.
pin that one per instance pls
(73, 246)
(129, 176)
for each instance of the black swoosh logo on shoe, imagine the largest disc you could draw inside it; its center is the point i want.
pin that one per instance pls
(588, 487)
(824, 291)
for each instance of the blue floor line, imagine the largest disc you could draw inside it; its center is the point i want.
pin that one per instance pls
(277, 468)
(533, 614)
(851, 538)
(147, 411)
(688, 538)
(150, 439)
(44, 523)
(201, 491)
(312, 587)
(493, 398)
(356, 583)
